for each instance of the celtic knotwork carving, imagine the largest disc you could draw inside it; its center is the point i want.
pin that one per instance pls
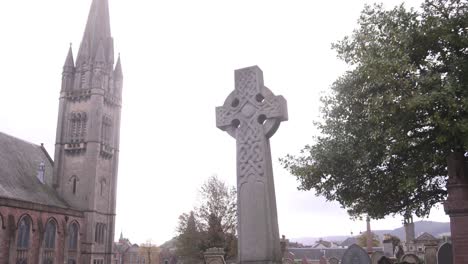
(251, 114)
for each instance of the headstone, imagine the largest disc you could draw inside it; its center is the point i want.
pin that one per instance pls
(252, 114)
(388, 248)
(376, 256)
(355, 255)
(322, 260)
(410, 258)
(445, 254)
(214, 256)
(430, 255)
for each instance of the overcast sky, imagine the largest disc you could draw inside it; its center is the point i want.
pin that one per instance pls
(178, 59)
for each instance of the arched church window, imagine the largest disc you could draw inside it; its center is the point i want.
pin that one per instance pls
(50, 231)
(74, 182)
(106, 129)
(49, 243)
(73, 232)
(73, 237)
(77, 126)
(22, 240)
(24, 230)
(97, 232)
(102, 186)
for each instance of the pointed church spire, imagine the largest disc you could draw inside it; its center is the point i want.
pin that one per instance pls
(100, 56)
(69, 62)
(97, 30)
(118, 69)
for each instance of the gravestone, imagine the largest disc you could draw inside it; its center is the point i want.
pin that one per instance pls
(214, 256)
(376, 256)
(252, 114)
(322, 260)
(410, 258)
(445, 254)
(355, 255)
(334, 261)
(430, 254)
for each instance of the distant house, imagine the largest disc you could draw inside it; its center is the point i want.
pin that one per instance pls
(322, 244)
(348, 242)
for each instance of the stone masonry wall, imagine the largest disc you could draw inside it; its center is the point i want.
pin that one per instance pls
(39, 220)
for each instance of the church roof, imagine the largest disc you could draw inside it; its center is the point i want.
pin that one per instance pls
(19, 167)
(425, 237)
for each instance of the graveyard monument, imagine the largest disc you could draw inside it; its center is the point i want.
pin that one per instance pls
(445, 254)
(355, 255)
(251, 114)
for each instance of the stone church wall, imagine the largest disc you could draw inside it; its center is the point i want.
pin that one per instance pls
(12, 212)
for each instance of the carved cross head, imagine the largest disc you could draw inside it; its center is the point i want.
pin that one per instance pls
(251, 105)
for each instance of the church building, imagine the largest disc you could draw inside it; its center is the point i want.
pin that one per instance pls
(62, 210)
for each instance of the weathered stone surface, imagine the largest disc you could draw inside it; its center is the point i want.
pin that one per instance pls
(410, 258)
(252, 114)
(430, 255)
(355, 255)
(456, 205)
(214, 256)
(334, 261)
(322, 260)
(445, 254)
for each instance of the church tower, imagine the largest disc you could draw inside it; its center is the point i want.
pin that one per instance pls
(87, 140)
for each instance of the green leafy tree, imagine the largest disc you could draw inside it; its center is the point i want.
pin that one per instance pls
(389, 124)
(217, 215)
(212, 223)
(189, 242)
(362, 240)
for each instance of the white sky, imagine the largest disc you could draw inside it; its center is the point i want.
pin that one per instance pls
(178, 59)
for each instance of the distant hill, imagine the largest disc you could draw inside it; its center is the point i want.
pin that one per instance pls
(435, 228)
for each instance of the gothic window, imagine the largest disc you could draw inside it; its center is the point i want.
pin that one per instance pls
(73, 237)
(73, 232)
(96, 232)
(77, 126)
(106, 130)
(49, 243)
(50, 232)
(24, 230)
(74, 183)
(99, 233)
(102, 186)
(22, 240)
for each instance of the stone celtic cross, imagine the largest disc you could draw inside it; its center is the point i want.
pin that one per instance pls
(252, 114)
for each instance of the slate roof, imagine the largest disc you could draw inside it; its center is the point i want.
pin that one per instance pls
(425, 237)
(19, 165)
